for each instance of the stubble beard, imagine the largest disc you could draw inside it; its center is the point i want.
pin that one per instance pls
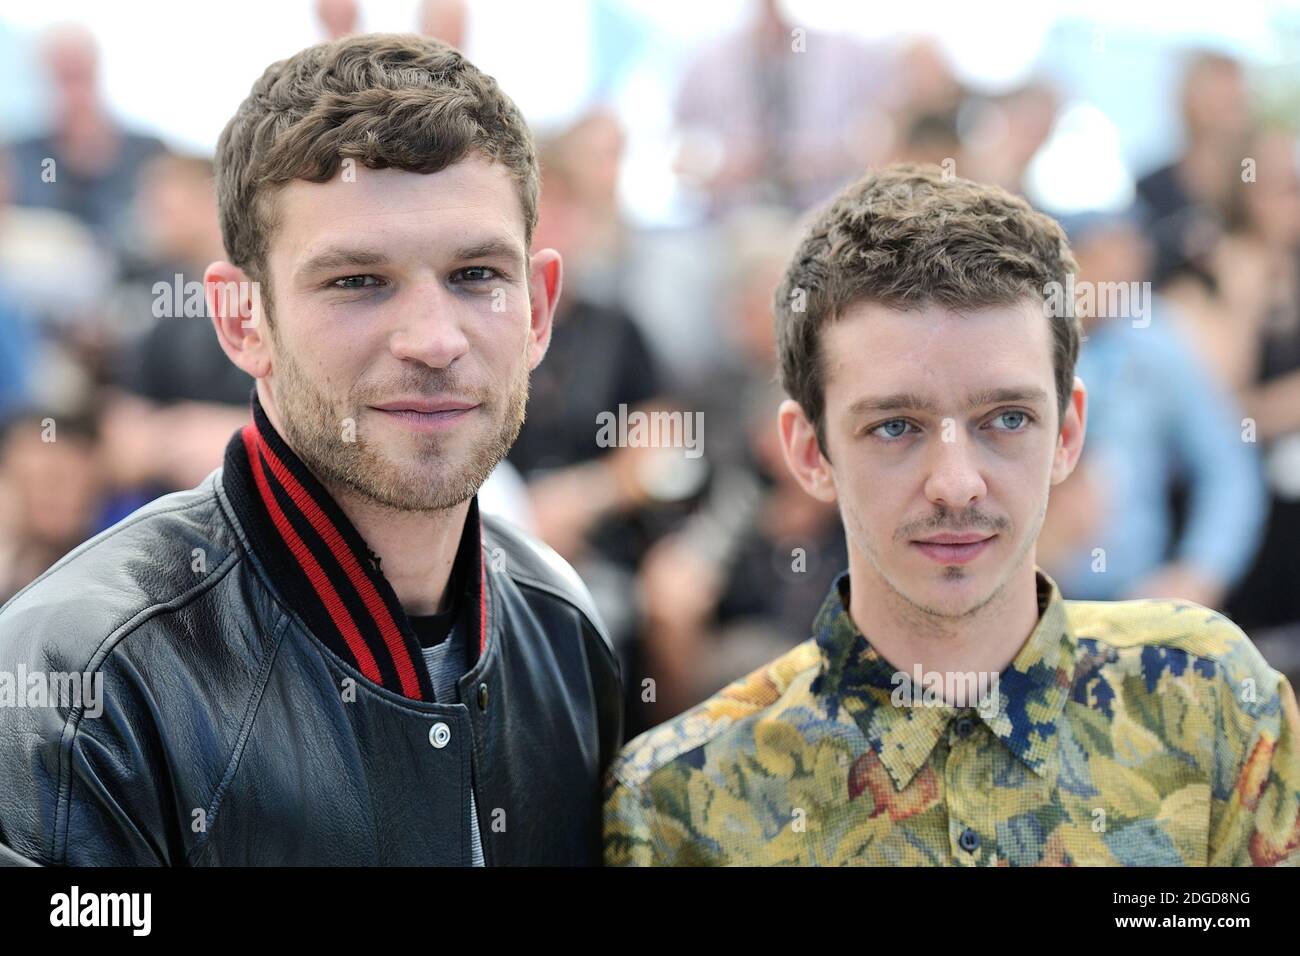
(926, 612)
(328, 435)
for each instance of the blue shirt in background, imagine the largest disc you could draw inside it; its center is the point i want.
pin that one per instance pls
(1156, 412)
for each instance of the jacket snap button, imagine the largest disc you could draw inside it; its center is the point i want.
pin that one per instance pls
(482, 696)
(439, 735)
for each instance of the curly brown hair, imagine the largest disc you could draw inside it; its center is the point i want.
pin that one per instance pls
(384, 99)
(907, 236)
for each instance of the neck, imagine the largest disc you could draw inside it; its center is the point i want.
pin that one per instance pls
(985, 641)
(416, 549)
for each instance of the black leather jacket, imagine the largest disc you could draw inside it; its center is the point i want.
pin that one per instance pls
(264, 700)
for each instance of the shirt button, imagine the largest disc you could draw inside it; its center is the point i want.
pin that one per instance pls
(440, 735)
(964, 726)
(969, 840)
(482, 696)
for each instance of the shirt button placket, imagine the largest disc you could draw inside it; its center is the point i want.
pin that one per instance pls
(968, 785)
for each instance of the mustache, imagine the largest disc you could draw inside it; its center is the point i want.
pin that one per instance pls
(943, 522)
(437, 383)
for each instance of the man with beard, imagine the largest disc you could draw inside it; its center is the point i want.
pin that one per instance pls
(323, 654)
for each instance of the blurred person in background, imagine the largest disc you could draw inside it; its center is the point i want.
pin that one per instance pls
(588, 502)
(585, 159)
(338, 18)
(39, 249)
(49, 493)
(715, 594)
(50, 326)
(173, 398)
(445, 20)
(176, 208)
(924, 107)
(930, 138)
(86, 165)
(1258, 267)
(1007, 131)
(18, 347)
(1206, 304)
(1156, 416)
(923, 79)
(1216, 115)
(747, 571)
(778, 113)
(990, 139)
(755, 243)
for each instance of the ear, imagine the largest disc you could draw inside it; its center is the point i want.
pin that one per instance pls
(544, 283)
(803, 453)
(235, 303)
(1069, 443)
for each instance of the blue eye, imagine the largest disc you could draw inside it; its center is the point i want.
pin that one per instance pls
(1014, 414)
(890, 433)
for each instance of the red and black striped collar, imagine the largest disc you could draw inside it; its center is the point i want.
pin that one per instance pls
(320, 563)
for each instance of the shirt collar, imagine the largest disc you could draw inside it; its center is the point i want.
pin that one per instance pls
(324, 569)
(1022, 710)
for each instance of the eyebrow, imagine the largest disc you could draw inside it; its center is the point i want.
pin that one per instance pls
(910, 401)
(490, 249)
(344, 258)
(337, 258)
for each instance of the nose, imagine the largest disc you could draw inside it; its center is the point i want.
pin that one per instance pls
(954, 479)
(431, 330)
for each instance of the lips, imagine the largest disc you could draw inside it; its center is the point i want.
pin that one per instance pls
(968, 538)
(954, 548)
(426, 406)
(426, 414)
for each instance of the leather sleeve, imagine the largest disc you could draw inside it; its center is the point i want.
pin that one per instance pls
(78, 779)
(607, 686)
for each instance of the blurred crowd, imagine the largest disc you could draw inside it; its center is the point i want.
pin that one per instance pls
(112, 393)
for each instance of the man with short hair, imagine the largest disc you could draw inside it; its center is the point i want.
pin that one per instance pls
(323, 654)
(951, 708)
